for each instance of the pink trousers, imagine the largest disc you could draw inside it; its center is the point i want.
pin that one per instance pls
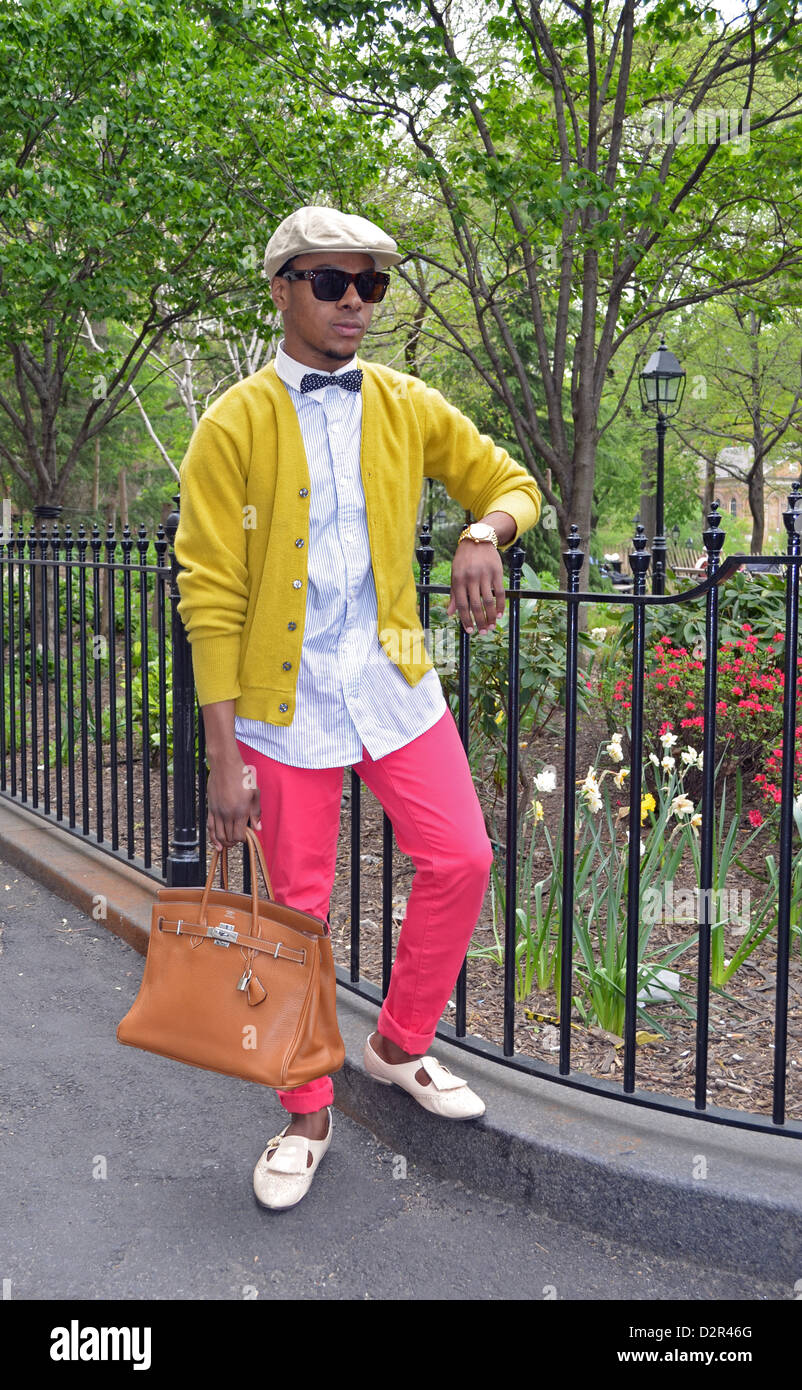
(428, 793)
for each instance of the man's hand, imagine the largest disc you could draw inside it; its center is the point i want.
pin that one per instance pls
(230, 802)
(477, 585)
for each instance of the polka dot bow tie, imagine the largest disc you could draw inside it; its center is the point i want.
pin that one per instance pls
(349, 381)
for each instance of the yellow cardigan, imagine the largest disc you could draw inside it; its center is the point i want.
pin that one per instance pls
(243, 534)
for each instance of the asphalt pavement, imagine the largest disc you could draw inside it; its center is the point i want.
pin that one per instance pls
(127, 1176)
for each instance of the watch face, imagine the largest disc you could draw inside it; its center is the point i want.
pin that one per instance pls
(481, 531)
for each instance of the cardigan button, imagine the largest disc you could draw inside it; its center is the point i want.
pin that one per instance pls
(291, 627)
(299, 542)
(283, 708)
(296, 584)
(286, 665)
(304, 492)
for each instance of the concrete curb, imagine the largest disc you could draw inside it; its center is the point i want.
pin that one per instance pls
(730, 1199)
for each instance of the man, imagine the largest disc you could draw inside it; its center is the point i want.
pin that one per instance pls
(299, 495)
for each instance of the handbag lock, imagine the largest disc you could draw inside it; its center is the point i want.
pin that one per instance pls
(222, 935)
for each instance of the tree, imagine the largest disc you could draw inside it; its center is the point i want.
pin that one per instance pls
(603, 166)
(751, 350)
(130, 137)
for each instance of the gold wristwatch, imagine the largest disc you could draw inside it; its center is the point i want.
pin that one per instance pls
(479, 531)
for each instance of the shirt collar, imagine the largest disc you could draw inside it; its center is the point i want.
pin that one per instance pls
(292, 372)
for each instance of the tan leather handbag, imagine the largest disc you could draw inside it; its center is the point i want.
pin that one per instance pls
(237, 984)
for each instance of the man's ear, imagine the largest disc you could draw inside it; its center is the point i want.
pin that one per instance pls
(279, 289)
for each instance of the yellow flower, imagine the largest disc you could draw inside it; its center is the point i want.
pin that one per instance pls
(538, 811)
(500, 716)
(647, 803)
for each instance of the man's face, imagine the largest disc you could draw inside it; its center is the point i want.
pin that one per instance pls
(319, 333)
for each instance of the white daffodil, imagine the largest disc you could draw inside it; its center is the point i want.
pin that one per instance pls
(668, 739)
(681, 805)
(598, 633)
(689, 756)
(699, 757)
(642, 845)
(590, 791)
(653, 758)
(696, 821)
(667, 762)
(619, 777)
(546, 781)
(616, 752)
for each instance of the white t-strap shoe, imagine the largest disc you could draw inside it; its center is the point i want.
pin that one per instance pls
(447, 1095)
(287, 1177)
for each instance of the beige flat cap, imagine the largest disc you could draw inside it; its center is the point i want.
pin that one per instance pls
(325, 229)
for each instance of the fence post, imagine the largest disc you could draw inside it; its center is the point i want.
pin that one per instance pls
(792, 519)
(713, 538)
(183, 863)
(573, 559)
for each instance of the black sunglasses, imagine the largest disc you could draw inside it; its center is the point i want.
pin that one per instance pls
(331, 284)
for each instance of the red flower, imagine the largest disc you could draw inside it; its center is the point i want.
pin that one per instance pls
(755, 819)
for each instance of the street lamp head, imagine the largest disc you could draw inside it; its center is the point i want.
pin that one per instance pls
(675, 533)
(662, 382)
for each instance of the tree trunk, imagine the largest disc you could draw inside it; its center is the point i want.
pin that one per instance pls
(578, 512)
(709, 496)
(96, 484)
(123, 498)
(757, 505)
(111, 517)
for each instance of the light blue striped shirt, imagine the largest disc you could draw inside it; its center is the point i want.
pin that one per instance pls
(349, 692)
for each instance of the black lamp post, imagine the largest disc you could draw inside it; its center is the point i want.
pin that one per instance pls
(662, 383)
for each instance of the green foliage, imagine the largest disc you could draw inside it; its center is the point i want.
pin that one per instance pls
(728, 849)
(541, 687)
(144, 162)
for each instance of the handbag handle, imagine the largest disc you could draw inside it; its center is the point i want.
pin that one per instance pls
(255, 852)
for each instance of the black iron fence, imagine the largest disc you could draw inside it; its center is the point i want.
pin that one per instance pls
(100, 733)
